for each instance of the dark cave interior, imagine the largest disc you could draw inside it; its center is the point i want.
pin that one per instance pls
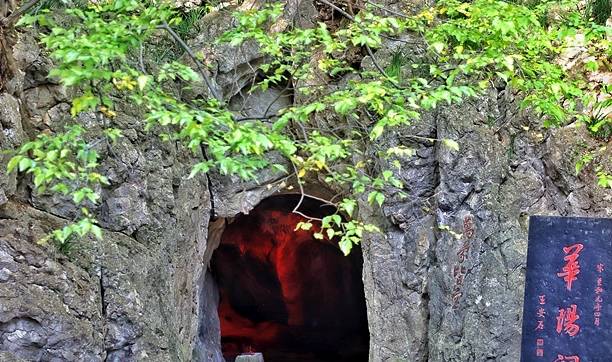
(284, 293)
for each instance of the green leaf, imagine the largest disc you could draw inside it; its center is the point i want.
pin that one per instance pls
(509, 62)
(591, 66)
(202, 167)
(280, 168)
(61, 188)
(92, 196)
(38, 180)
(344, 106)
(24, 164)
(14, 162)
(348, 205)
(97, 231)
(86, 102)
(450, 144)
(142, 81)
(51, 155)
(376, 196)
(438, 47)
(303, 226)
(345, 246)
(377, 131)
(78, 196)
(371, 228)
(380, 198)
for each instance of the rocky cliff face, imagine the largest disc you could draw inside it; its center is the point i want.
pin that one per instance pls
(143, 292)
(458, 294)
(133, 296)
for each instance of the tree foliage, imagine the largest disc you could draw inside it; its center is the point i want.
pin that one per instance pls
(466, 48)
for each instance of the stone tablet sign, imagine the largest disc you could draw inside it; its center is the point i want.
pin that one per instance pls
(567, 315)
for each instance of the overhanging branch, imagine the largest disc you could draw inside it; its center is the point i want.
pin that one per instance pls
(9, 20)
(193, 57)
(367, 47)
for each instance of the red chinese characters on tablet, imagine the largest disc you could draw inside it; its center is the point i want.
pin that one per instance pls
(598, 296)
(566, 320)
(562, 358)
(566, 311)
(571, 269)
(541, 315)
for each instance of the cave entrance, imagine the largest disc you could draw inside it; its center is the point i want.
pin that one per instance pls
(286, 294)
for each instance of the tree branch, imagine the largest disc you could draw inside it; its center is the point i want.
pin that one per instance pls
(193, 57)
(367, 47)
(390, 11)
(17, 13)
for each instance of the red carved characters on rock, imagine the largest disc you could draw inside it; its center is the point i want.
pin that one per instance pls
(566, 320)
(468, 226)
(571, 269)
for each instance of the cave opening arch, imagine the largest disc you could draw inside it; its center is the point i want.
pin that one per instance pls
(284, 293)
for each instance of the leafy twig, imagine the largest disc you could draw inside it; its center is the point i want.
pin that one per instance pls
(193, 57)
(367, 47)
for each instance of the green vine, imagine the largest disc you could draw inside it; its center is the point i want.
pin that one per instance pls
(467, 47)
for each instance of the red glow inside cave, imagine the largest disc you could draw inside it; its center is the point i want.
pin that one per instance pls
(286, 294)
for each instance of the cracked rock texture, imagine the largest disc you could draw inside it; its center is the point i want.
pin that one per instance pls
(135, 295)
(442, 283)
(445, 282)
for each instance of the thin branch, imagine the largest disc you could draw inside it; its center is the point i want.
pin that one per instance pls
(304, 133)
(281, 94)
(401, 40)
(264, 118)
(429, 139)
(336, 195)
(390, 11)
(303, 194)
(338, 9)
(367, 47)
(379, 68)
(141, 59)
(324, 201)
(282, 179)
(310, 218)
(17, 13)
(193, 57)
(297, 206)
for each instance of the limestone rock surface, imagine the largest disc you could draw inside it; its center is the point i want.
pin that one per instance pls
(443, 282)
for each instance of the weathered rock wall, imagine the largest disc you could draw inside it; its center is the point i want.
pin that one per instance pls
(508, 169)
(142, 293)
(133, 295)
(445, 282)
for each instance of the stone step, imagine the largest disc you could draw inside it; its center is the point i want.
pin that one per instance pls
(250, 357)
